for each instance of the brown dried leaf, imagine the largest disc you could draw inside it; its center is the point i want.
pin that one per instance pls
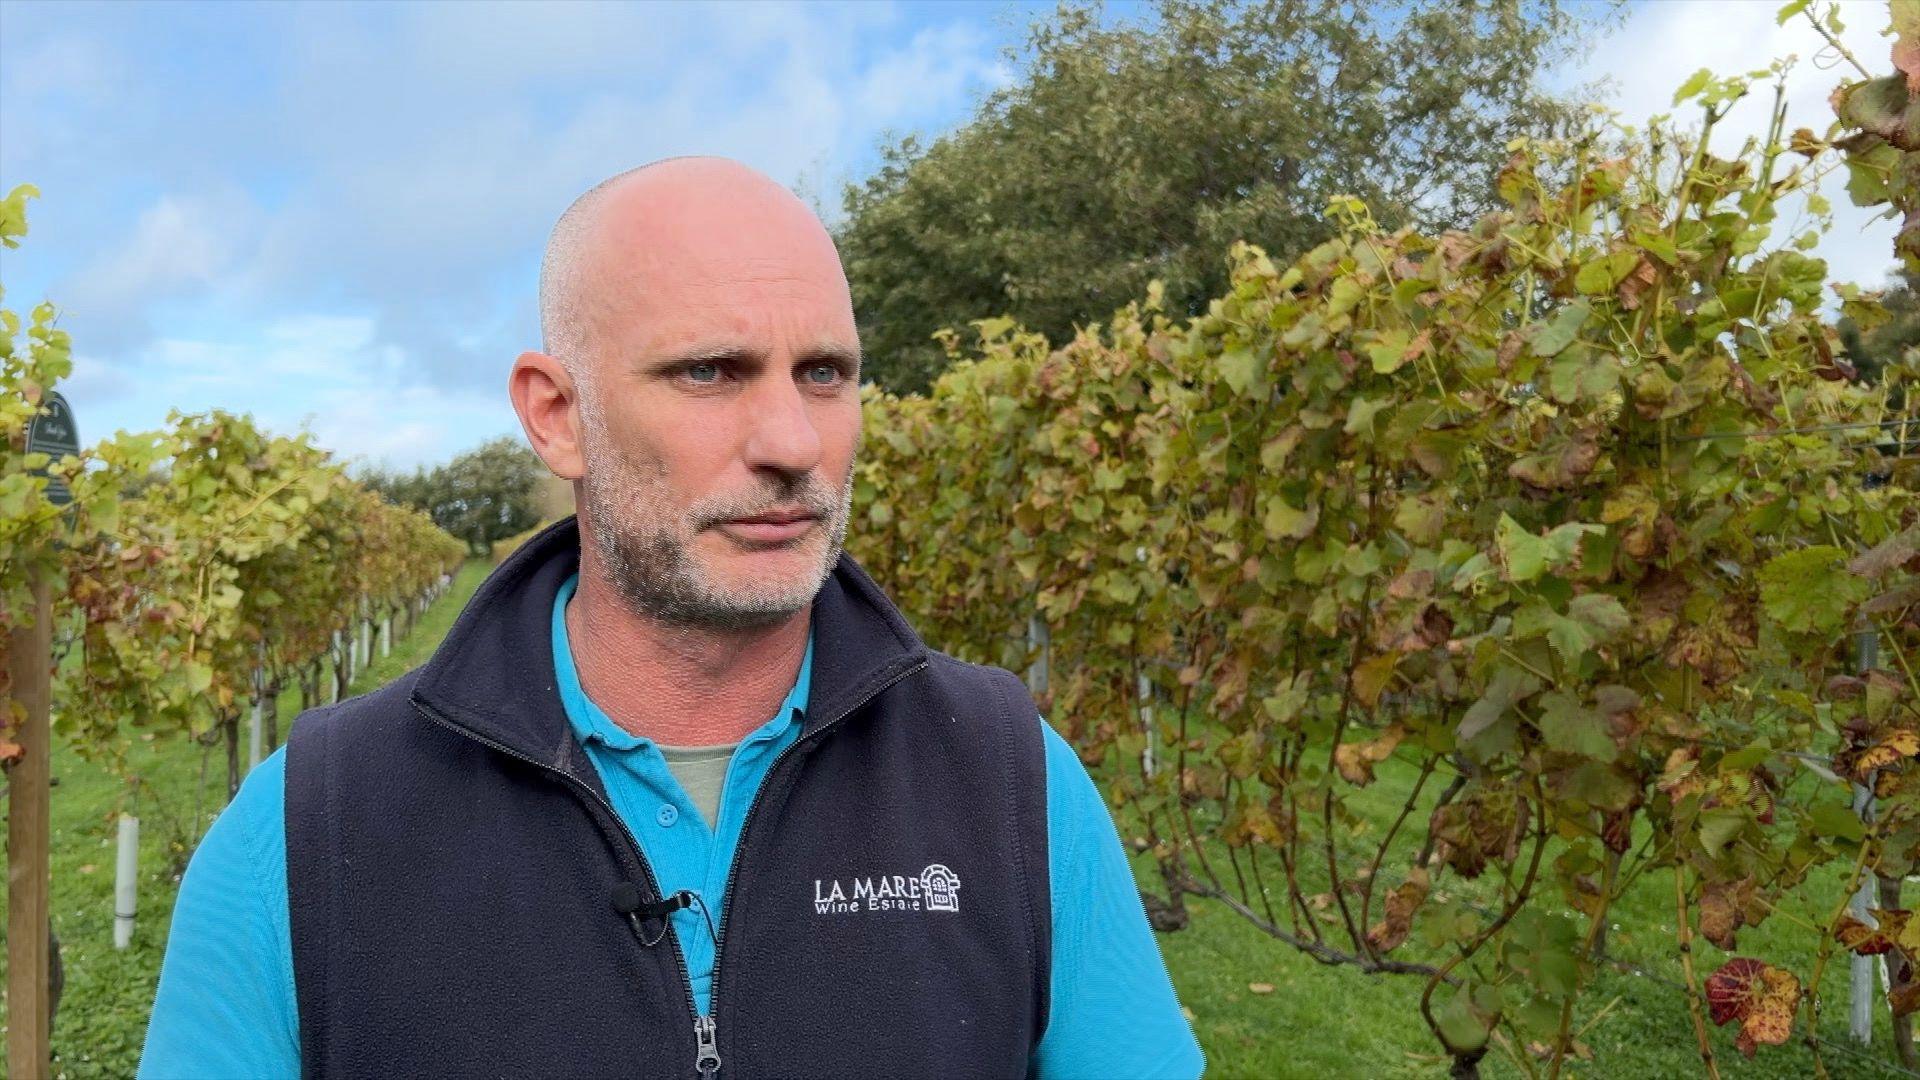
(1356, 760)
(1905, 999)
(1864, 940)
(1722, 910)
(1637, 281)
(1402, 902)
(1888, 554)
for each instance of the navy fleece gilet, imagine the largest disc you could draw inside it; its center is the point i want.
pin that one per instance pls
(452, 859)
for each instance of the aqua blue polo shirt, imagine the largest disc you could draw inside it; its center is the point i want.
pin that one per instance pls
(685, 851)
(225, 1005)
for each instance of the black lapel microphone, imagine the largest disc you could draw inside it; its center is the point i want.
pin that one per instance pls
(627, 901)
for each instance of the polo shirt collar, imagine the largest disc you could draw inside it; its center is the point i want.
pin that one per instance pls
(591, 724)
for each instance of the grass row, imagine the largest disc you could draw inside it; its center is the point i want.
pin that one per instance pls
(1321, 1021)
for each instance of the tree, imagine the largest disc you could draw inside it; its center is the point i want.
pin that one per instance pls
(403, 489)
(483, 495)
(1131, 152)
(1895, 327)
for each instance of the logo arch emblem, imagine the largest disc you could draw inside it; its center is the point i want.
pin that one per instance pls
(941, 887)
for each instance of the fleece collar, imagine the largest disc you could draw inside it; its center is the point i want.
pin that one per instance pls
(494, 677)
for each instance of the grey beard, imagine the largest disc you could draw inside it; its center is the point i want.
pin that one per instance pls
(653, 574)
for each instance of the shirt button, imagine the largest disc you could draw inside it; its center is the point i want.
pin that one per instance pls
(667, 815)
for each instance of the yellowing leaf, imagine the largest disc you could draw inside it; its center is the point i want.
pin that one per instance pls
(1240, 368)
(1371, 676)
(1389, 352)
(1284, 522)
(1897, 746)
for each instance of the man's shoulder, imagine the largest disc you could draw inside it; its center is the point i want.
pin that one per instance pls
(952, 671)
(362, 714)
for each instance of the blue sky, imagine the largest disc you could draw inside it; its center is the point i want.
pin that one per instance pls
(330, 215)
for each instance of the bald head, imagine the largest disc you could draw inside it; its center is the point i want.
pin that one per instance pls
(700, 386)
(660, 218)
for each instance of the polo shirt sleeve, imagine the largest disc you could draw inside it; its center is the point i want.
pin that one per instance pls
(225, 1005)
(1113, 1010)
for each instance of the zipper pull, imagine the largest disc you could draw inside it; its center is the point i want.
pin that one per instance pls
(708, 1063)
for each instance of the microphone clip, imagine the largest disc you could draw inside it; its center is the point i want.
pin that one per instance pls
(627, 901)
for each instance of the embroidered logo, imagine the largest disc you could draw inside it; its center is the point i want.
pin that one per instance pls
(937, 888)
(941, 887)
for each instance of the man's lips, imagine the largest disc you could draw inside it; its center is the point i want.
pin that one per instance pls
(770, 528)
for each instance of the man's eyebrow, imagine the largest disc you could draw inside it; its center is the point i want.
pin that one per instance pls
(754, 355)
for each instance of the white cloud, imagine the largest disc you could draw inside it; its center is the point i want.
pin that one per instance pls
(329, 332)
(402, 428)
(349, 216)
(1664, 43)
(180, 245)
(941, 64)
(59, 81)
(319, 372)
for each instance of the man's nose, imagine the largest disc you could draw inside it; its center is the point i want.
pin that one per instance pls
(780, 431)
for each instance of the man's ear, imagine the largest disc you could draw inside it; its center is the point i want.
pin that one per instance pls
(549, 406)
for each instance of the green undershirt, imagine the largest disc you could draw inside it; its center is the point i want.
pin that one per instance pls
(702, 771)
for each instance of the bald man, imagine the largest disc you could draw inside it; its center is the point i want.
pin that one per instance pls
(681, 793)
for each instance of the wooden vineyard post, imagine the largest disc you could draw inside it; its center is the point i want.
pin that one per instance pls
(30, 660)
(30, 781)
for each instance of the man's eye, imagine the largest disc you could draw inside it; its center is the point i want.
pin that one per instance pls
(824, 374)
(704, 373)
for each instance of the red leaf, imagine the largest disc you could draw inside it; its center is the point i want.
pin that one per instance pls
(1763, 998)
(1729, 989)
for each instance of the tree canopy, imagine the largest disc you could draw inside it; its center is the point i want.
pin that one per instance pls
(1132, 151)
(483, 495)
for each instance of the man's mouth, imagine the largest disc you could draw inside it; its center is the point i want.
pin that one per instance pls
(775, 518)
(774, 527)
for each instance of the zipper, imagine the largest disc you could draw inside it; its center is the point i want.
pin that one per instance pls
(702, 1040)
(706, 1061)
(709, 1052)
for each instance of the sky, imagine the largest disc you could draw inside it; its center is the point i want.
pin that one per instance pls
(330, 216)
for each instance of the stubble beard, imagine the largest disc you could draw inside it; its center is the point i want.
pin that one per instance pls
(646, 544)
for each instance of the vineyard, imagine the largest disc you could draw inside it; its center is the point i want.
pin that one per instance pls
(1579, 522)
(1495, 616)
(175, 582)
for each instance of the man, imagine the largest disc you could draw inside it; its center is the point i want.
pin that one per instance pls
(681, 793)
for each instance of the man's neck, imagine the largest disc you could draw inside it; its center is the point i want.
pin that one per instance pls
(679, 685)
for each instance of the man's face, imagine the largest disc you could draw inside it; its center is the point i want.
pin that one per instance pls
(721, 417)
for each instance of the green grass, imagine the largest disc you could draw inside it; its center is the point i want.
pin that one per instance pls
(102, 1021)
(1318, 1022)
(1337, 1021)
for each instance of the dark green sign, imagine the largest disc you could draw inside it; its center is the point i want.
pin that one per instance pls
(55, 434)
